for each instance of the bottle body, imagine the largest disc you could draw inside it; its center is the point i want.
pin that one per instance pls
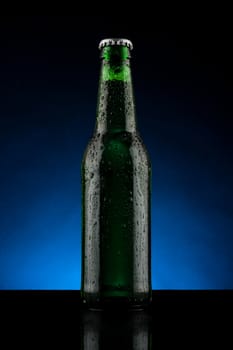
(116, 196)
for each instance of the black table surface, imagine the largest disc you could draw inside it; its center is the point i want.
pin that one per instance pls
(58, 317)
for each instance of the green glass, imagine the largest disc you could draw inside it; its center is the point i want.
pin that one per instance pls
(116, 191)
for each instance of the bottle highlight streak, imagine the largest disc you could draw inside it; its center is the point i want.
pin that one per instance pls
(116, 193)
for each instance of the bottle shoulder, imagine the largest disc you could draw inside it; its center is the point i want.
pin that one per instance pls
(126, 145)
(125, 137)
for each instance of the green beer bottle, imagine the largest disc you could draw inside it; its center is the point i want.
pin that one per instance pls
(116, 190)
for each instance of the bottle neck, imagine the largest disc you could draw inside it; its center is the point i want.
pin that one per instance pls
(115, 106)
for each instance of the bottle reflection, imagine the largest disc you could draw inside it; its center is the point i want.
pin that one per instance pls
(127, 330)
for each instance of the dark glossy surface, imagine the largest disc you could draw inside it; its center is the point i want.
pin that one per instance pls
(56, 317)
(105, 330)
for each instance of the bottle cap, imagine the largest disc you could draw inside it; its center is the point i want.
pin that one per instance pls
(111, 42)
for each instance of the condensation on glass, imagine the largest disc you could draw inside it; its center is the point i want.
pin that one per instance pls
(116, 193)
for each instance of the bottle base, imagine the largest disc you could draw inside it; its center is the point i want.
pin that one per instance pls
(96, 302)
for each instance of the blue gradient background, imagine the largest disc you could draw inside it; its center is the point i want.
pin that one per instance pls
(49, 67)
